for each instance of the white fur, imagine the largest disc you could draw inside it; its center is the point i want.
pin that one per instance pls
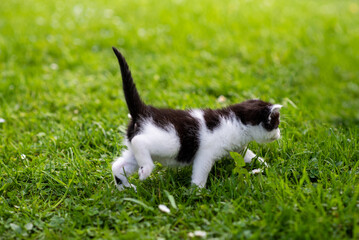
(156, 144)
(276, 107)
(230, 135)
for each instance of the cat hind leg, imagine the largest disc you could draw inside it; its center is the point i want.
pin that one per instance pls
(142, 156)
(122, 168)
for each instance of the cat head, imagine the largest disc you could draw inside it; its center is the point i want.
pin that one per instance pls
(270, 125)
(268, 128)
(262, 119)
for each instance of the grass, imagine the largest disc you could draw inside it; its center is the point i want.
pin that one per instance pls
(65, 115)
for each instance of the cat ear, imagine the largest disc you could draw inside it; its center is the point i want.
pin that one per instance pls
(275, 108)
(274, 111)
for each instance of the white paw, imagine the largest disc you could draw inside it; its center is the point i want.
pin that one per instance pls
(261, 160)
(122, 187)
(122, 183)
(117, 166)
(145, 171)
(198, 185)
(256, 171)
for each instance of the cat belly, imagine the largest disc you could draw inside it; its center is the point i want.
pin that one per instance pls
(169, 161)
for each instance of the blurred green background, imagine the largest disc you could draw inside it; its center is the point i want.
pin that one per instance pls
(305, 51)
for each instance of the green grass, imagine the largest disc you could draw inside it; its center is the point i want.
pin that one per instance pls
(65, 116)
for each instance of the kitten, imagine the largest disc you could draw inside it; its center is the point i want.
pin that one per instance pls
(184, 137)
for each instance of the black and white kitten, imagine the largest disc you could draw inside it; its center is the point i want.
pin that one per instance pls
(182, 137)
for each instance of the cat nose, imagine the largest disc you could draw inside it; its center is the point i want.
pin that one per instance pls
(278, 134)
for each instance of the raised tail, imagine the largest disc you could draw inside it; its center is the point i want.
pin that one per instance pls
(134, 103)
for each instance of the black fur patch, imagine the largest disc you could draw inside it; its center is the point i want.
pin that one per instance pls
(134, 103)
(252, 111)
(212, 117)
(273, 123)
(118, 181)
(133, 129)
(186, 126)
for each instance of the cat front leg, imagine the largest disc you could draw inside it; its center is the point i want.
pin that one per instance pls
(142, 155)
(122, 168)
(249, 155)
(202, 165)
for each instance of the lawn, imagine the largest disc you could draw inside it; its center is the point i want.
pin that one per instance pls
(63, 116)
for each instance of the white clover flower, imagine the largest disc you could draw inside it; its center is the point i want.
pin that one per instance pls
(255, 171)
(221, 99)
(197, 233)
(54, 66)
(164, 208)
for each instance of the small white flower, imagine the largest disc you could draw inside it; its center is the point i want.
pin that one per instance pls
(54, 66)
(199, 233)
(156, 77)
(108, 13)
(142, 32)
(221, 99)
(29, 226)
(23, 156)
(191, 235)
(255, 171)
(2, 120)
(164, 208)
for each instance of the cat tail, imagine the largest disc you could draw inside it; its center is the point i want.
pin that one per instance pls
(134, 103)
